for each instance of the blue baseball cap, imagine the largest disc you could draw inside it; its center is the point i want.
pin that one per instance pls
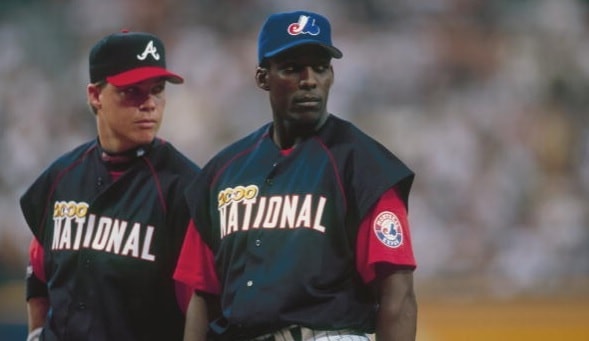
(283, 31)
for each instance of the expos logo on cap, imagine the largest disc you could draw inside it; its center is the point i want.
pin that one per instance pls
(305, 25)
(283, 31)
(126, 58)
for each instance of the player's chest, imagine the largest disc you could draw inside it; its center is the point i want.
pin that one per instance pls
(91, 190)
(302, 171)
(272, 191)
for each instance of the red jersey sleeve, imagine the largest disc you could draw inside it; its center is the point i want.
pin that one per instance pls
(196, 264)
(384, 237)
(36, 259)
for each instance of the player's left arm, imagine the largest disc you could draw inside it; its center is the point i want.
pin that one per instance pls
(397, 313)
(195, 269)
(385, 259)
(196, 326)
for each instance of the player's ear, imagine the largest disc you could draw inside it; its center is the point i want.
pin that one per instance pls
(93, 95)
(332, 75)
(262, 78)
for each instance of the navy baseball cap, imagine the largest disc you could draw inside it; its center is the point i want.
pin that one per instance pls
(126, 58)
(283, 31)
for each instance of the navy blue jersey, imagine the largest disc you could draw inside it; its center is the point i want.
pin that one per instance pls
(283, 227)
(110, 246)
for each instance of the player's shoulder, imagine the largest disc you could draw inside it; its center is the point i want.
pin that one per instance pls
(339, 131)
(344, 138)
(170, 157)
(240, 146)
(74, 155)
(67, 161)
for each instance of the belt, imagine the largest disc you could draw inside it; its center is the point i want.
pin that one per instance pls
(292, 333)
(298, 333)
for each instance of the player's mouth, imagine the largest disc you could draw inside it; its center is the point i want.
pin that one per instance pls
(307, 102)
(146, 124)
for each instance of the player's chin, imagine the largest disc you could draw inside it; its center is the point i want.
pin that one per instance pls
(144, 137)
(305, 122)
(306, 115)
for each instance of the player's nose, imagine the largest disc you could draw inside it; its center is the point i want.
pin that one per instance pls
(149, 102)
(307, 77)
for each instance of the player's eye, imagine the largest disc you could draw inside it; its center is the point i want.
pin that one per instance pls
(158, 89)
(321, 68)
(290, 68)
(130, 91)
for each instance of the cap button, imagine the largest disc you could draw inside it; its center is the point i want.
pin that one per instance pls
(125, 30)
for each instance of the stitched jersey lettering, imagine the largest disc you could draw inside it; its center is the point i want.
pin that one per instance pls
(239, 212)
(74, 229)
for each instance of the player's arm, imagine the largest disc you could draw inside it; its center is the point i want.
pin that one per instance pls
(195, 269)
(37, 308)
(397, 313)
(389, 267)
(36, 291)
(197, 322)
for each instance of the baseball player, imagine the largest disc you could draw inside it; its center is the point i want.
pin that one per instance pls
(108, 217)
(301, 227)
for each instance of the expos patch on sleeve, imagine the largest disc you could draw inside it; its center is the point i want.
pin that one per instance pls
(387, 228)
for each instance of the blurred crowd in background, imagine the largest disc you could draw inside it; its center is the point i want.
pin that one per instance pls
(485, 100)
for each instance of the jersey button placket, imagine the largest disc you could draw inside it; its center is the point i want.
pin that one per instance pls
(269, 180)
(250, 282)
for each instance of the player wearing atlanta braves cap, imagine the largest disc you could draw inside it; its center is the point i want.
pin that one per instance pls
(108, 217)
(301, 227)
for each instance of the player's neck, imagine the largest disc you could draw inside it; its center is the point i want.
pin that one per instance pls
(124, 156)
(284, 140)
(287, 135)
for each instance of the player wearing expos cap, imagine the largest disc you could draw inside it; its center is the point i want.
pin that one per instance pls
(109, 216)
(301, 227)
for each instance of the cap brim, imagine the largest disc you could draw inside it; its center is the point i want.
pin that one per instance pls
(143, 73)
(333, 51)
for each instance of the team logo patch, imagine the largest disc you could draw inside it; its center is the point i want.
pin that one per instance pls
(305, 25)
(387, 228)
